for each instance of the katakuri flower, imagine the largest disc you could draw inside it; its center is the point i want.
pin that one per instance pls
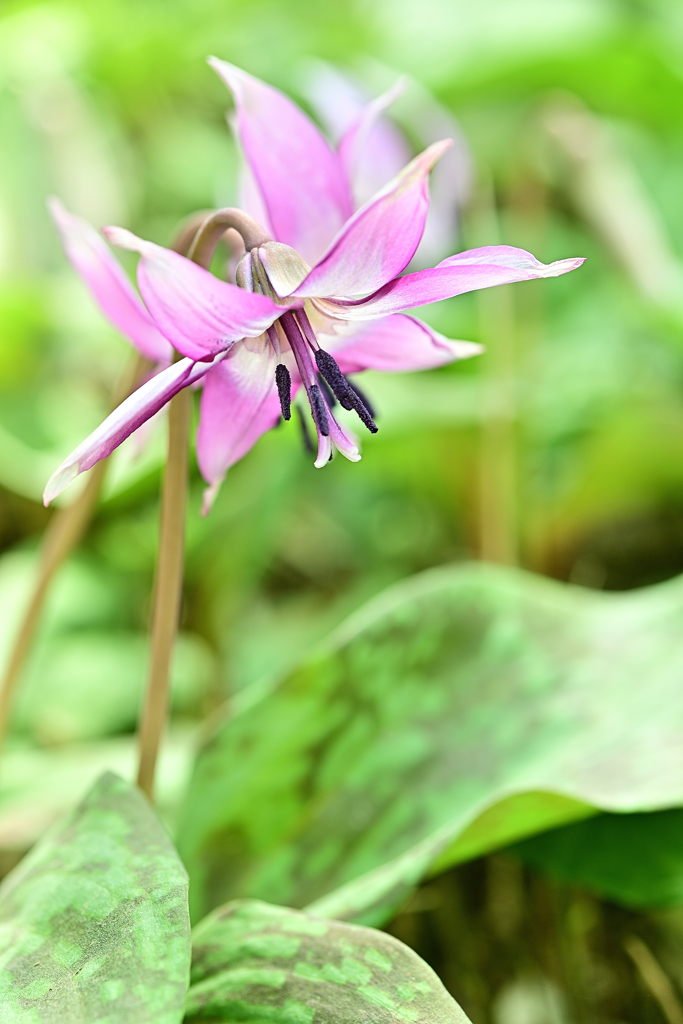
(320, 293)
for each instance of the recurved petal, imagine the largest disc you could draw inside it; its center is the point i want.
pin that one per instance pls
(300, 177)
(239, 403)
(199, 314)
(131, 414)
(105, 278)
(464, 272)
(378, 242)
(397, 344)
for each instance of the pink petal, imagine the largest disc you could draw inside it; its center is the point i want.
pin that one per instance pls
(344, 444)
(108, 283)
(239, 403)
(131, 414)
(465, 272)
(397, 344)
(299, 175)
(373, 149)
(378, 242)
(199, 314)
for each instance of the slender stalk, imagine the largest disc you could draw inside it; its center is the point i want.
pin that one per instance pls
(498, 537)
(65, 529)
(657, 981)
(167, 590)
(168, 585)
(215, 226)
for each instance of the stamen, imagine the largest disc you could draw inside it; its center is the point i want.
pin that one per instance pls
(361, 410)
(328, 367)
(325, 388)
(305, 435)
(347, 393)
(364, 398)
(283, 381)
(319, 410)
(274, 340)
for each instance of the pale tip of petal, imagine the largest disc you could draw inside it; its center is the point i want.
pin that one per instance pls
(231, 75)
(56, 208)
(562, 266)
(209, 496)
(60, 479)
(123, 238)
(434, 152)
(465, 349)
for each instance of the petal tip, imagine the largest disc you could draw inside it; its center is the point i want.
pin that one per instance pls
(209, 496)
(466, 349)
(60, 479)
(123, 238)
(560, 267)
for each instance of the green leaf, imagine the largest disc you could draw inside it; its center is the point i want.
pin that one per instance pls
(635, 859)
(94, 927)
(253, 961)
(456, 713)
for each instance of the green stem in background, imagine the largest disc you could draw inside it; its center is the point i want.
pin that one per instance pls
(498, 528)
(655, 978)
(65, 529)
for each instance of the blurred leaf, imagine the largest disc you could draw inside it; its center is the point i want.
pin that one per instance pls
(635, 859)
(93, 923)
(454, 713)
(88, 684)
(37, 785)
(254, 961)
(83, 680)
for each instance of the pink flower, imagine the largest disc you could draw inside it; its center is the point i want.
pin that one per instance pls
(319, 294)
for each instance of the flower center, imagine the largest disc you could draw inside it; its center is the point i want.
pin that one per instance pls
(274, 269)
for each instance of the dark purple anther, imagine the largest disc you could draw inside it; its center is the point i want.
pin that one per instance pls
(319, 409)
(363, 397)
(283, 381)
(361, 411)
(328, 367)
(347, 394)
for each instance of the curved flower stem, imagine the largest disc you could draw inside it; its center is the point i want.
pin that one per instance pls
(65, 529)
(167, 589)
(214, 227)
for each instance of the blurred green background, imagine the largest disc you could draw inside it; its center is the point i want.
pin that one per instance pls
(560, 450)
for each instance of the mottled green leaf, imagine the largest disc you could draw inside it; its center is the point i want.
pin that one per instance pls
(635, 859)
(255, 962)
(94, 926)
(456, 713)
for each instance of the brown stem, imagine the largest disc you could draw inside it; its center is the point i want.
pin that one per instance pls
(215, 226)
(168, 585)
(65, 529)
(167, 590)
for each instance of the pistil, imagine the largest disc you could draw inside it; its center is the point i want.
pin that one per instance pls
(323, 380)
